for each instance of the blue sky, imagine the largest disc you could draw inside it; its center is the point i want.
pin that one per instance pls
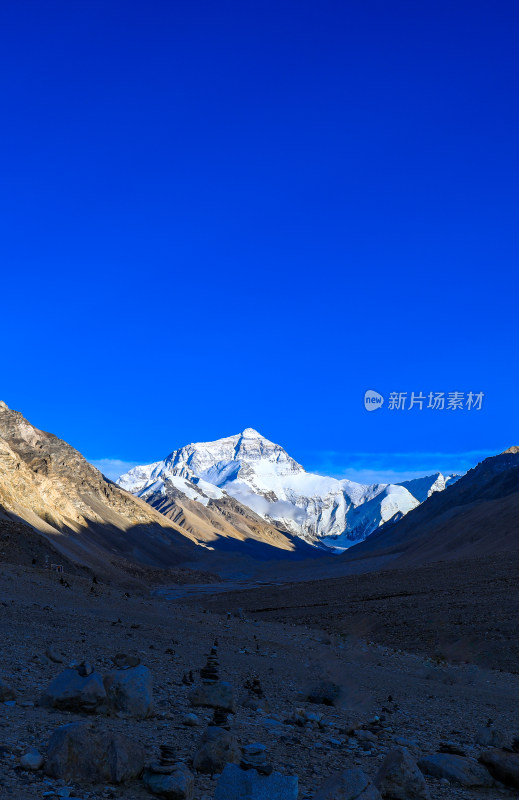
(222, 215)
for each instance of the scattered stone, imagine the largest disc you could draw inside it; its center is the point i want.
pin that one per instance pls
(409, 744)
(7, 693)
(129, 692)
(352, 784)
(456, 769)
(81, 753)
(238, 784)
(218, 748)
(400, 779)
(32, 760)
(452, 748)
(85, 669)
(53, 655)
(123, 661)
(502, 765)
(300, 716)
(214, 695)
(70, 691)
(270, 722)
(177, 785)
(190, 720)
(366, 736)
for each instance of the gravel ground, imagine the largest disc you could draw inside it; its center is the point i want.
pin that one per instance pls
(431, 701)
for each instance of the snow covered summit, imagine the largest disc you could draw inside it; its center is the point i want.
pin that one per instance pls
(262, 476)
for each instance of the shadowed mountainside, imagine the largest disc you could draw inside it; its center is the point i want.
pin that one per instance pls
(225, 524)
(476, 516)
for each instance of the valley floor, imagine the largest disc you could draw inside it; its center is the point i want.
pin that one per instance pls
(290, 645)
(453, 611)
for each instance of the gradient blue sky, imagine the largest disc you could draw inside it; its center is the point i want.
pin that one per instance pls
(221, 215)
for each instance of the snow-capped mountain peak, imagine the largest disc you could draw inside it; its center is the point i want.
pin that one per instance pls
(261, 475)
(250, 433)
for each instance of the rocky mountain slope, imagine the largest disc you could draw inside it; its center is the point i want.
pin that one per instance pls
(260, 475)
(477, 516)
(47, 484)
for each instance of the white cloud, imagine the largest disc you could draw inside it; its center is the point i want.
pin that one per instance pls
(262, 506)
(113, 468)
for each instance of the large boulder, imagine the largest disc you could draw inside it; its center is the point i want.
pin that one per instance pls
(82, 753)
(239, 784)
(352, 784)
(175, 785)
(219, 747)
(129, 692)
(70, 691)
(214, 695)
(503, 765)
(400, 779)
(456, 769)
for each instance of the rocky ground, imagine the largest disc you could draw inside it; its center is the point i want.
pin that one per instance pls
(387, 697)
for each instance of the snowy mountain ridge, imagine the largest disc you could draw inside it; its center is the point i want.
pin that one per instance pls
(262, 476)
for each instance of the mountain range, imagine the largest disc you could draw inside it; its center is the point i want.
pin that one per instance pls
(222, 507)
(261, 476)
